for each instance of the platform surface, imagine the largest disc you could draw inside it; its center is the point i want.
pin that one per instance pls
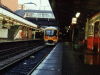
(6, 40)
(63, 60)
(52, 64)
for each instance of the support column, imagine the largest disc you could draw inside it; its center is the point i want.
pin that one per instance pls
(73, 36)
(34, 34)
(21, 33)
(31, 33)
(24, 33)
(28, 34)
(86, 29)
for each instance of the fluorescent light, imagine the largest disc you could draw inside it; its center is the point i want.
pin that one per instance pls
(1, 17)
(77, 14)
(92, 23)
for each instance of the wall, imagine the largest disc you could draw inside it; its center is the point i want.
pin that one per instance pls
(11, 4)
(3, 33)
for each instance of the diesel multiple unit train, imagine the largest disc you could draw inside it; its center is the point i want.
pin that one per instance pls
(51, 35)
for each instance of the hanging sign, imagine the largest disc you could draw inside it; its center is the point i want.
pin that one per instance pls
(74, 20)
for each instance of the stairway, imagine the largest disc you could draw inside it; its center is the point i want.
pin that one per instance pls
(12, 31)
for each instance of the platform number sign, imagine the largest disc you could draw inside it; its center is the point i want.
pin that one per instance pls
(74, 20)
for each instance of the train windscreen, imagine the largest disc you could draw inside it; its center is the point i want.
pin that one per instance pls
(51, 33)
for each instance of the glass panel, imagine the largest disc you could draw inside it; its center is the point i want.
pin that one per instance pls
(40, 15)
(51, 33)
(27, 14)
(96, 29)
(50, 15)
(90, 30)
(34, 14)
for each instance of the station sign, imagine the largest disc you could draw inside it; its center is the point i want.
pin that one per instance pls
(74, 20)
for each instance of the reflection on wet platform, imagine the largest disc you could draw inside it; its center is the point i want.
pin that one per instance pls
(86, 56)
(90, 58)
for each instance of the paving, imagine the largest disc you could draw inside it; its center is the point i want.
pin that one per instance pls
(64, 60)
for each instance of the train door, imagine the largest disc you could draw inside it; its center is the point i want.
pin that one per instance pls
(96, 36)
(99, 38)
(90, 39)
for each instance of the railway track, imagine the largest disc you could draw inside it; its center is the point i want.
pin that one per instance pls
(4, 54)
(28, 64)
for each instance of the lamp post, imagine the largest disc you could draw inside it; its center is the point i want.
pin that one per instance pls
(74, 21)
(77, 14)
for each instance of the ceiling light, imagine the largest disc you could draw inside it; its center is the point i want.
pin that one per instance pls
(77, 14)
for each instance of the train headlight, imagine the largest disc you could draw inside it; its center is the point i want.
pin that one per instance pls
(54, 37)
(55, 41)
(46, 37)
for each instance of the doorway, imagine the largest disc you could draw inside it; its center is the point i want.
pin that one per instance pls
(96, 36)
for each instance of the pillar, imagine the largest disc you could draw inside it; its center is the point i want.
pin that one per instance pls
(31, 33)
(34, 34)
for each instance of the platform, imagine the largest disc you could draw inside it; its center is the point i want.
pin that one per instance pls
(6, 40)
(52, 64)
(63, 60)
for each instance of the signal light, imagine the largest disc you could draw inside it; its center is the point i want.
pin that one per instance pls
(54, 37)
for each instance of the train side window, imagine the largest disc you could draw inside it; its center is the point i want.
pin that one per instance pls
(90, 30)
(55, 32)
(96, 27)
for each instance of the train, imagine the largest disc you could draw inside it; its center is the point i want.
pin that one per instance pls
(92, 33)
(51, 35)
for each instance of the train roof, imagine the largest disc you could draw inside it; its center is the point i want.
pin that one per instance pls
(51, 28)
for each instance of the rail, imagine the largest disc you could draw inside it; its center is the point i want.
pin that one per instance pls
(4, 54)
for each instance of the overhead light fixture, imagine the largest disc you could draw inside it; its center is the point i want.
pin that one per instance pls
(77, 14)
(6, 19)
(14, 22)
(74, 20)
(92, 23)
(1, 17)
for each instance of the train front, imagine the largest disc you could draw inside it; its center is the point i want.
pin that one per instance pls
(51, 36)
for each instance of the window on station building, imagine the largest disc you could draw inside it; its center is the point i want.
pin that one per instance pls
(39, 15)
(51, 15)
(45, 15)
(34, 14)
(28, 14)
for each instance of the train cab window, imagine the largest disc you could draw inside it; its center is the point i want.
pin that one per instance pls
(51, 32)
(96, 27)
(90, 30)
(55, 33)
